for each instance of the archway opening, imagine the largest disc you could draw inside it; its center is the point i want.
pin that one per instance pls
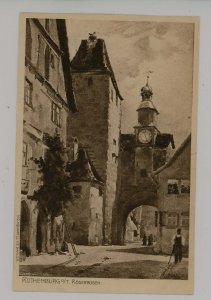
(24, 229)
(141, 226)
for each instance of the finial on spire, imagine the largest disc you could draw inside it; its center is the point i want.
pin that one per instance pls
(92, 36)
(146, 91)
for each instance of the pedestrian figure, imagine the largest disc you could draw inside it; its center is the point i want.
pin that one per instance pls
(150, 240)
(144, 240)
(178, 242)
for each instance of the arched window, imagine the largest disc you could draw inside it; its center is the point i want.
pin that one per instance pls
(28, 39)
(47, 61)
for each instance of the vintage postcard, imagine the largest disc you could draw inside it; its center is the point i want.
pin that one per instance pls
(106, 152)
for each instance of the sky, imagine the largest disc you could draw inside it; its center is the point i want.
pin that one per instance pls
(136, 47)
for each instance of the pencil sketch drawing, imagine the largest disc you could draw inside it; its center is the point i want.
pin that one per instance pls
(106, 148)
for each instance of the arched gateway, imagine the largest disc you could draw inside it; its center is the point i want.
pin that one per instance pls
(140, 155)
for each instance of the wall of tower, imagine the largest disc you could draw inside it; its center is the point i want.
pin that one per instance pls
(114, 115)
(97, 127)
(90, 123)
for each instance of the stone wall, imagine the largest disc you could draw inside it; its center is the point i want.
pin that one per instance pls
(83, 216)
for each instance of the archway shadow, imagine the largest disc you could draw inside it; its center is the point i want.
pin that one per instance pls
(142, 250)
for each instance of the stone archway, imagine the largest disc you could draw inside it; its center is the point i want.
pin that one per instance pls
(128, 200)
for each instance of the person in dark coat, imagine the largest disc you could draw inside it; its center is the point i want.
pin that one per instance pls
(178, 242)
(150, 240)
(144, 240)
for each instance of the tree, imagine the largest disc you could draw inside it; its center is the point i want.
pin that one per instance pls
(55, 190)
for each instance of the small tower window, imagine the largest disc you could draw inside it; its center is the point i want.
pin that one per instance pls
(143, 173)
(77, 189)
(90, 81)
(100, 191)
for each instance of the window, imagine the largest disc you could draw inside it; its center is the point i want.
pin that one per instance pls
(172, 220)
(28, 92)
(47, 61)
(114, 142)
(100, 191)
(143, 173)
(185, 186)
(77, 189)
(173, 186)
(112, 94)
(184, 219)
(90, 81)
(56, 114)
(156, 218)
(24, 155)
(52, 61)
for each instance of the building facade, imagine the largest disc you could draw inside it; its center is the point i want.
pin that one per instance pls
(97, 123)
(48, 98)
(174, 197)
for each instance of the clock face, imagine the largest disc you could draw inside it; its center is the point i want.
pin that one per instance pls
(145, 136)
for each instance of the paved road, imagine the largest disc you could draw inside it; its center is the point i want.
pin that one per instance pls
(130, 261)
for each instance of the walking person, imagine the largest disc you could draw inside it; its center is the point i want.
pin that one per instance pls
(144, 240)
(178, 242)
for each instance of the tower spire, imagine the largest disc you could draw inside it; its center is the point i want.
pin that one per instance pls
(146, 91)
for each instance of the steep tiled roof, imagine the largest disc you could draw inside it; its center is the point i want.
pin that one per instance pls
(94, 57)
(82, 168)
(178, 152)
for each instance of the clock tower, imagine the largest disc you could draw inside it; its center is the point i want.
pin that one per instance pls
(145, 133)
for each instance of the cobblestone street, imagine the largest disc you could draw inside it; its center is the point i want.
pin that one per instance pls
(130, 261)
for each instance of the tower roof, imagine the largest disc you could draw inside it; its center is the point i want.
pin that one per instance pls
(146, 94)
(82, 168)
(92, 55)
(178, 152)
(147, 104)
